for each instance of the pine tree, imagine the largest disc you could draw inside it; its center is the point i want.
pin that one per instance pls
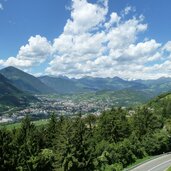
(113, 125)
(73, 146)
(146, 121)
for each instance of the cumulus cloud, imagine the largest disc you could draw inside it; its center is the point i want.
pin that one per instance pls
(114, 19)
(85, 16)
(127, 10)
(141, 52)
(97, 43)
(34, 53)
(167, 46)
(1, 62)
(100, 47)
(1, 7)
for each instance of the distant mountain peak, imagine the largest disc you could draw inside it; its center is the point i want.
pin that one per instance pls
(24, 81)
(53, 76)
(164, 78)
(62, 76)
(11, 68)
(116, 77)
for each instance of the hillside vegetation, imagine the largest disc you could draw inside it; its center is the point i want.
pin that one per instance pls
(109, 142)
(121, 92)
(24, 81)
(11, 96)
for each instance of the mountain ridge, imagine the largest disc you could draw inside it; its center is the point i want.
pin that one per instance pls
(88, 84)
(24, 81)
(64, 85)
(10, 95)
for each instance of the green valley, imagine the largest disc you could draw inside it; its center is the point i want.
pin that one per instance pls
(113, 140)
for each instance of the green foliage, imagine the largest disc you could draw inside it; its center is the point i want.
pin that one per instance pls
(24, 81)
(52, 130)
(11, 96)
(146, 121)
(43, 161)
(114, 167)
(7, 158)
(157, 142)
(113, 125)
(109, 142)
(169, 169)
(74, 145)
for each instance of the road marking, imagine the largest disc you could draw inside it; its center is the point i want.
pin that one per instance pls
(159, 165)
(148, 161)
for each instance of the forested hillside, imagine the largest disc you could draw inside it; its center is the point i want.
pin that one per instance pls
(109, 142)
(12, 96)
(24, 81)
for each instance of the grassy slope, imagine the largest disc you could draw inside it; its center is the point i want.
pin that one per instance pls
(160, 101)
(17, 125)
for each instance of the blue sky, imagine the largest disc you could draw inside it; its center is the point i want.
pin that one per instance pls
(43, 23)
(21, 19)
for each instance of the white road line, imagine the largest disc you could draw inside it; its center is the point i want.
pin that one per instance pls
(142, 165)
(159, 165)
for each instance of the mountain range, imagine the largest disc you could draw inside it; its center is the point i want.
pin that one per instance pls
(19, 84)
(10, 95)
(88, 84)
(64, 85)
(24, 81)
(93, 84)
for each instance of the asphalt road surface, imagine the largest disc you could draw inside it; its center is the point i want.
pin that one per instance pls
(158, 164)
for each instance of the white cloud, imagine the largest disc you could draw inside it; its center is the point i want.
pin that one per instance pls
(142, 51)
(1, 7)
(34, 53)
(96, 43)
(125, 33)
(1, 62)
(37, 50)
(85, 16)
(128, 9)
(114, 19)
(12, 61)
(167, 46)
(97, 49)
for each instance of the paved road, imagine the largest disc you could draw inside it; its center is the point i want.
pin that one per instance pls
(158, 164)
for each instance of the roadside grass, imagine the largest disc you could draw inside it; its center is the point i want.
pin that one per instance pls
(18, 124)
(138, 161)
(169, 169)
(143, 160)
